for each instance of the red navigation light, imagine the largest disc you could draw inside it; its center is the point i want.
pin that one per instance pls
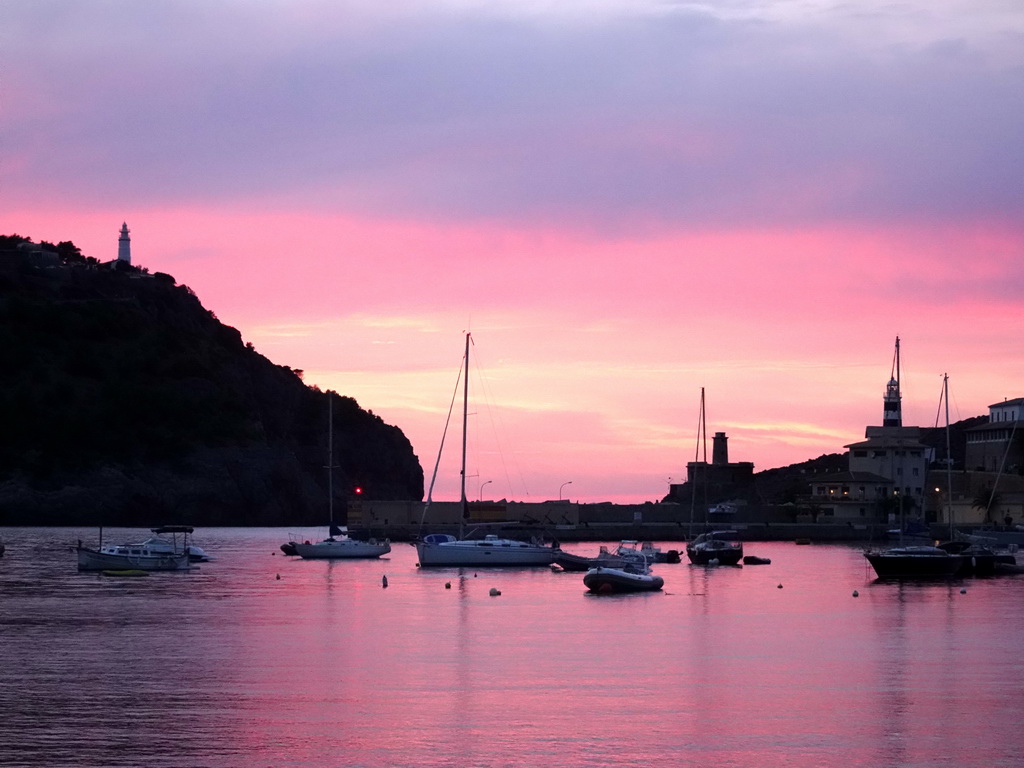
(359, 490)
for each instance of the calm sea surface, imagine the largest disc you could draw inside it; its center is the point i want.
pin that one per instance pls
(262, 660)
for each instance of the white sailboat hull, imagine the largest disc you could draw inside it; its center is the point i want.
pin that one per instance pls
(337, 549)
(483, 553)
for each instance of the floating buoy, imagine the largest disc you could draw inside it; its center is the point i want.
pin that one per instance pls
(856, 593)
(447, 585)
(384, 582)
(780, 586)
(963, 590)
(494, 592)
(279, 577)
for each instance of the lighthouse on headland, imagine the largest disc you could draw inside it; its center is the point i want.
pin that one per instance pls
(124, 245)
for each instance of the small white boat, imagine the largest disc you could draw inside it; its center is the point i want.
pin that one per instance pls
(633, 576)
(136, 557)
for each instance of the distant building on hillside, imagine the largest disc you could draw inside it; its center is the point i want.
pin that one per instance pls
(887, 469)
(1000, 443)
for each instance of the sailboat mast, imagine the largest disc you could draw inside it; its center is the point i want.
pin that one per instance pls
(899, 390)
(701, 431)
(330, 462)
(949, 458)
(465, 423)
(704, 448)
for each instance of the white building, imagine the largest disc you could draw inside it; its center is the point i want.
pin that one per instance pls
(124, 245)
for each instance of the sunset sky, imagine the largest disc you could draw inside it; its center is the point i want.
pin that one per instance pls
(623, 200)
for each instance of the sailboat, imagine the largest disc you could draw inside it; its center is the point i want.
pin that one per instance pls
(921, 560)
(979, 558)
(442, 549)
(337, 545)
(710, 547)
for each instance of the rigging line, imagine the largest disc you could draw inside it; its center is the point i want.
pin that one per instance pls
(433, 478)
(498, 428)
(1002, 465)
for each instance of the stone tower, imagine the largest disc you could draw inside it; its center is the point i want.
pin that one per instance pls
(892, 412)
(124, 245)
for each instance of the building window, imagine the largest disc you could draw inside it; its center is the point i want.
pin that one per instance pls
(914, 472)
(860, 454)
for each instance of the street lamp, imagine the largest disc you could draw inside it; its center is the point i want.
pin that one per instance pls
(481, 494)
(567, 482)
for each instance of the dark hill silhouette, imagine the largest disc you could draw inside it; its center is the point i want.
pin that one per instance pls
(124, 401)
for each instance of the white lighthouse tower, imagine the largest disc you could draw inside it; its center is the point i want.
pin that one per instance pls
(124, 245)
(892, 411)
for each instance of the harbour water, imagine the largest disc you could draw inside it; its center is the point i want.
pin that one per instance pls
(262, 660)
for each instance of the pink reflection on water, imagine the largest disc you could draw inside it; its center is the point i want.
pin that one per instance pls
(325, 667)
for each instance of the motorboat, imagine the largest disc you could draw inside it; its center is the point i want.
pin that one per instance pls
(136, 557)
(634, 575)
(339, 547)
(715, 548)
(442, 549)
(656, 555)
(915, 561)
(581, 563)
(653, 554)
